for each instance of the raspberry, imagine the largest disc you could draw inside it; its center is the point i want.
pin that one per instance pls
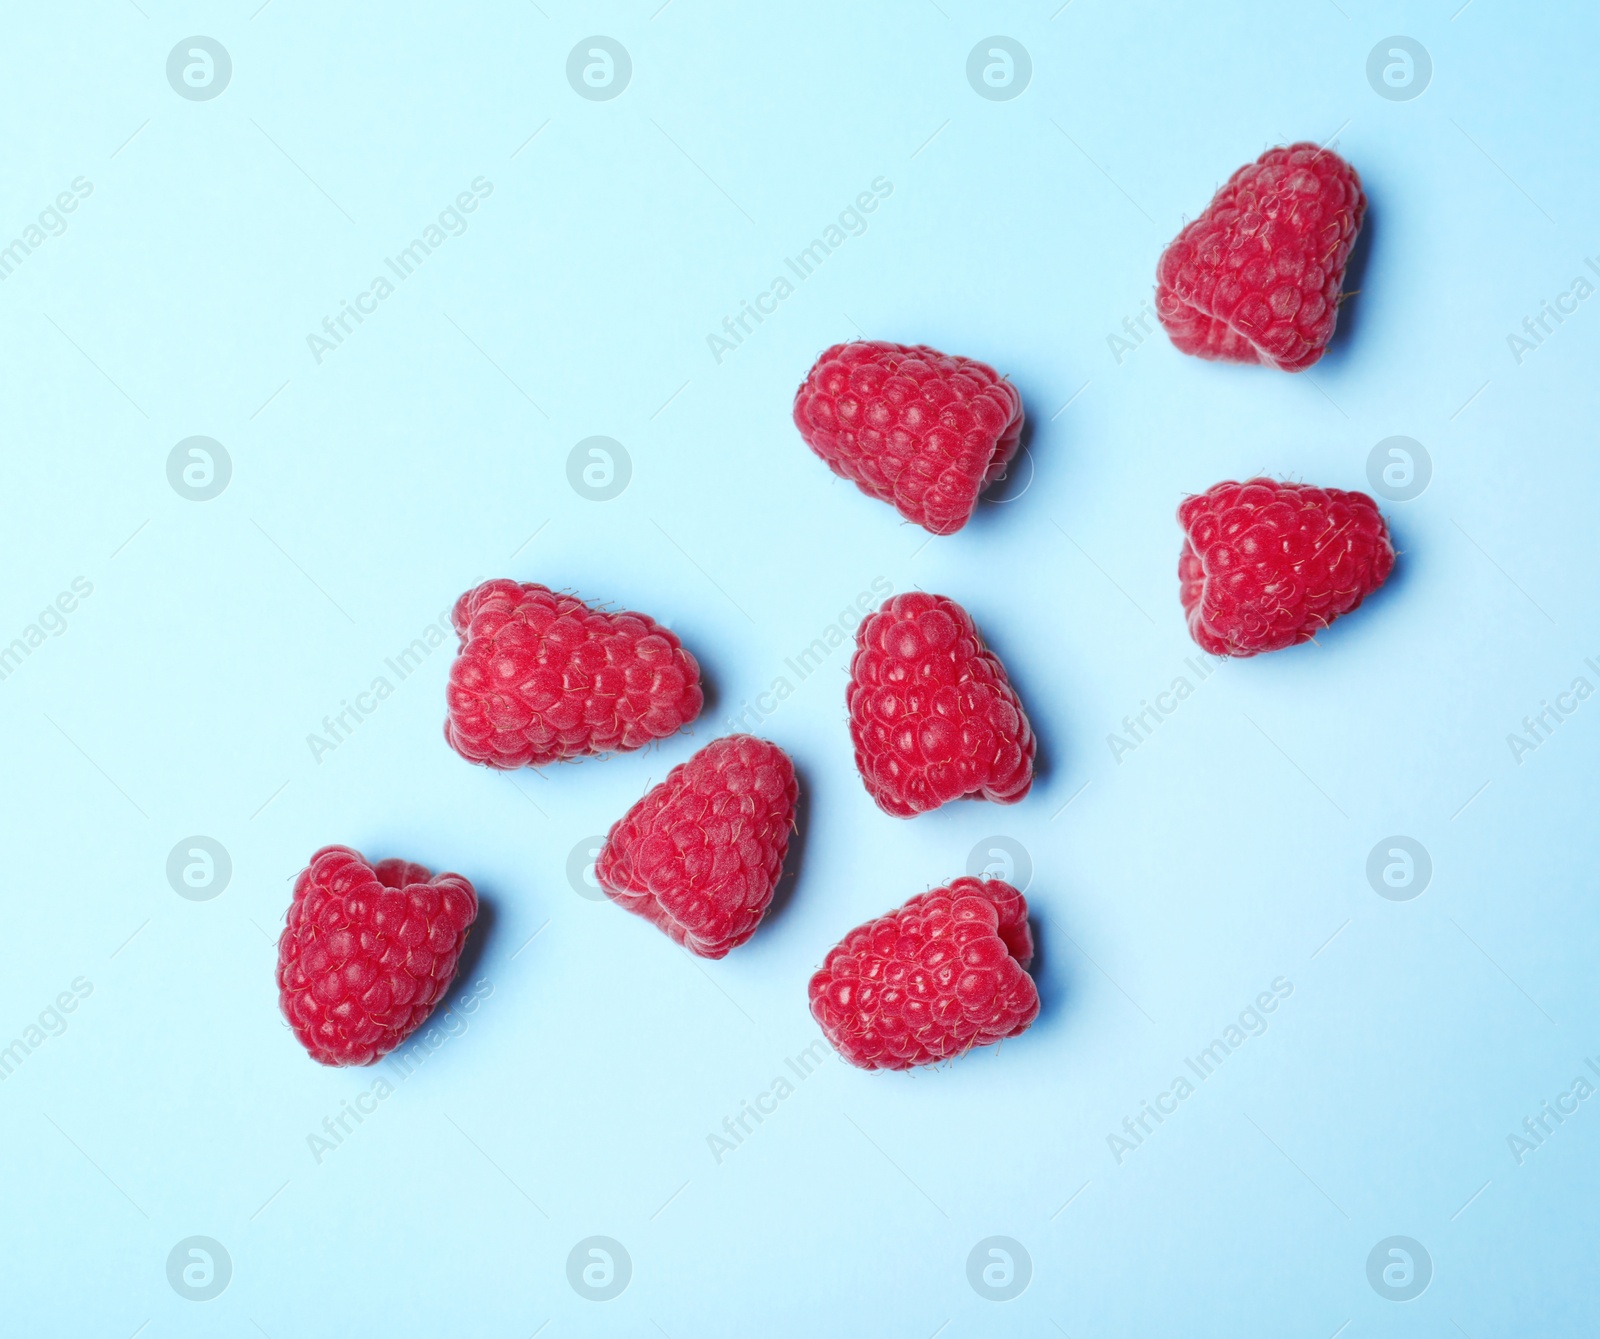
(1256, 278)
(1267, 565)
(908, 425)
(931, 980)
(932, 715)
(367, 952)
(699, 855)
(542, 678)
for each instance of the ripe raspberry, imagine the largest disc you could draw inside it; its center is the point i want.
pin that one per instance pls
(940, 975)
(911, 426)
(932, 714)
(699, 855)
(1267, 565)
(542, 678)
(1256, 278)
(367, 953)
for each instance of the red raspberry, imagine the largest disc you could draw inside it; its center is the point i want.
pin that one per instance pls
(1257, 277)
(940, 975)
(911, 426)
(699, 855)
(542, 678)
(1267, 565)
(367, 953)
(932, 714)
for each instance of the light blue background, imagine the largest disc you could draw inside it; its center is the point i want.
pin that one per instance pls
(418, 458)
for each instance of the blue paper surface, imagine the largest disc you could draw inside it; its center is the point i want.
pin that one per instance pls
(401, 264)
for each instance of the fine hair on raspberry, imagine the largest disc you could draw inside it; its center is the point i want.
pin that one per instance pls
(542, 677)
(368, 952)
(930, 980)
(924, 431)
(700, 855)
(1258, 277)
(933, 715)
(1268, 565)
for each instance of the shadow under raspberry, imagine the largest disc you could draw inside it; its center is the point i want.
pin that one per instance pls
(1353, 626)
(1054, 988)
(1003, 495)
(1043, 754)
(472, 951)
(1355, 270)
(711, 698)
(789, 878)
